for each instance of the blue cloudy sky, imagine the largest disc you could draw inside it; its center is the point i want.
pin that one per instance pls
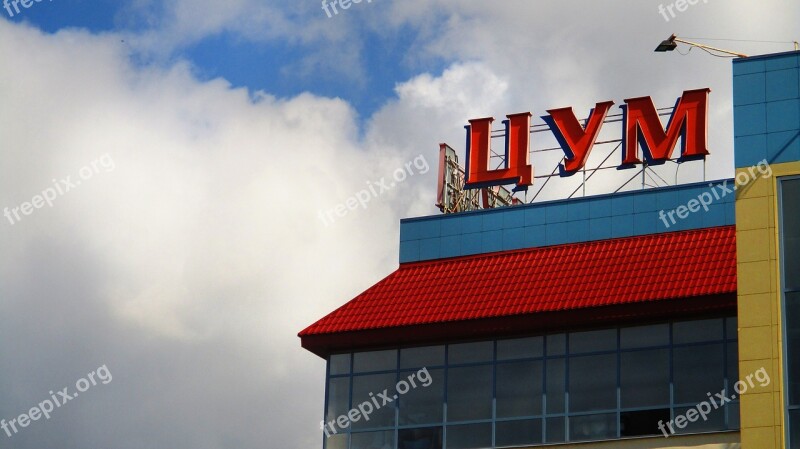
(199, 141)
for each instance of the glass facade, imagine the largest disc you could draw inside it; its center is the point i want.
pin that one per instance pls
(790, 257)
(576, 386)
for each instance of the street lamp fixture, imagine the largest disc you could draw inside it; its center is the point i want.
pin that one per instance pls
(671, 43)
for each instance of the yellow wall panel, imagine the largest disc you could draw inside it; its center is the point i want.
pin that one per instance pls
(752, 214)
(751, 312)
(753, 245)
(758, 401)
(759, 307)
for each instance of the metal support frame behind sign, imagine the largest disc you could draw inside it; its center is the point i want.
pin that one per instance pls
(452, 197)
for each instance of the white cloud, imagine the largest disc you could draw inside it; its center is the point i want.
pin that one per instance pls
(186, 268)
(189, 268)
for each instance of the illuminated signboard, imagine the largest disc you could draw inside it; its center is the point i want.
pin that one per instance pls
(641, 128)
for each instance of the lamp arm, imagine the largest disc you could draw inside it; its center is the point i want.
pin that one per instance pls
(707, 47)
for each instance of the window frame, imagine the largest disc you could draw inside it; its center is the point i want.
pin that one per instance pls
(788, 407)
(546, 416)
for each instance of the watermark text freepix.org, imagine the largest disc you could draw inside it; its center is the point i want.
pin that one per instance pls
(703, 409)
(680, 5)
(8, 4)
(344, 4)
(376, 401)
(715, 193)
(374, 190)
(47, 406)
(60, 187)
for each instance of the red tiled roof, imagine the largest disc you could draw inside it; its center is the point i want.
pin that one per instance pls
(621, 271)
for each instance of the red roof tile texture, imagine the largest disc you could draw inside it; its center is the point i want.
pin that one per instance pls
(565, 277)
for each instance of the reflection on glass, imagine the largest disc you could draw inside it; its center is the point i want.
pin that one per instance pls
(593, 341)
(644, 336)
(375, 361)
(339, 364)
(374, 384)
(731, 328)
(593, 427)
(790, 241)
(556, 344)
(372, 440)
(697, 331)
(697, 370)
(338, 441)
(338, 398)
(427, 356)
(528, 396)
(520, 348)
(424, 405)
(556, 385)
(793, 346)
(794, 429)
(644, 378)
(556, 430)
(469, 436)
(790, 233)
(593, 383)
(480, 351)
(733, 364)
(469, 393)
(518, 433)
(714, 421)
(421, 438)
(519, 389)
(733, 416)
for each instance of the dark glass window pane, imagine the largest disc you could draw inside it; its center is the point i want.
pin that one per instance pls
(556, 430)
(422, 357)
(715, 420)
(556, 344)
(733, 416)
(733, 364)
(593, 427)
(556, 385)
(374, 384)
(425, 438)
(339, 364)
(697, 331)
(794, 429)
(592, 383)
(791, 248)
(698, 370)
(372, 440)
(375, 361)
(732, 328)
(424, 405)
(338, 441)
(593, 341)
(338, 399)
(790, 232)
(518, 433)
(519, 389)
(644, 336)
(793, 346)
(469, 393)
(644, 378)
(470, 352)
(643, 422)
(520, 348)
(469, 436)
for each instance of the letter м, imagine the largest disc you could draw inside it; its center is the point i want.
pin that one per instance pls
(642, 126)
